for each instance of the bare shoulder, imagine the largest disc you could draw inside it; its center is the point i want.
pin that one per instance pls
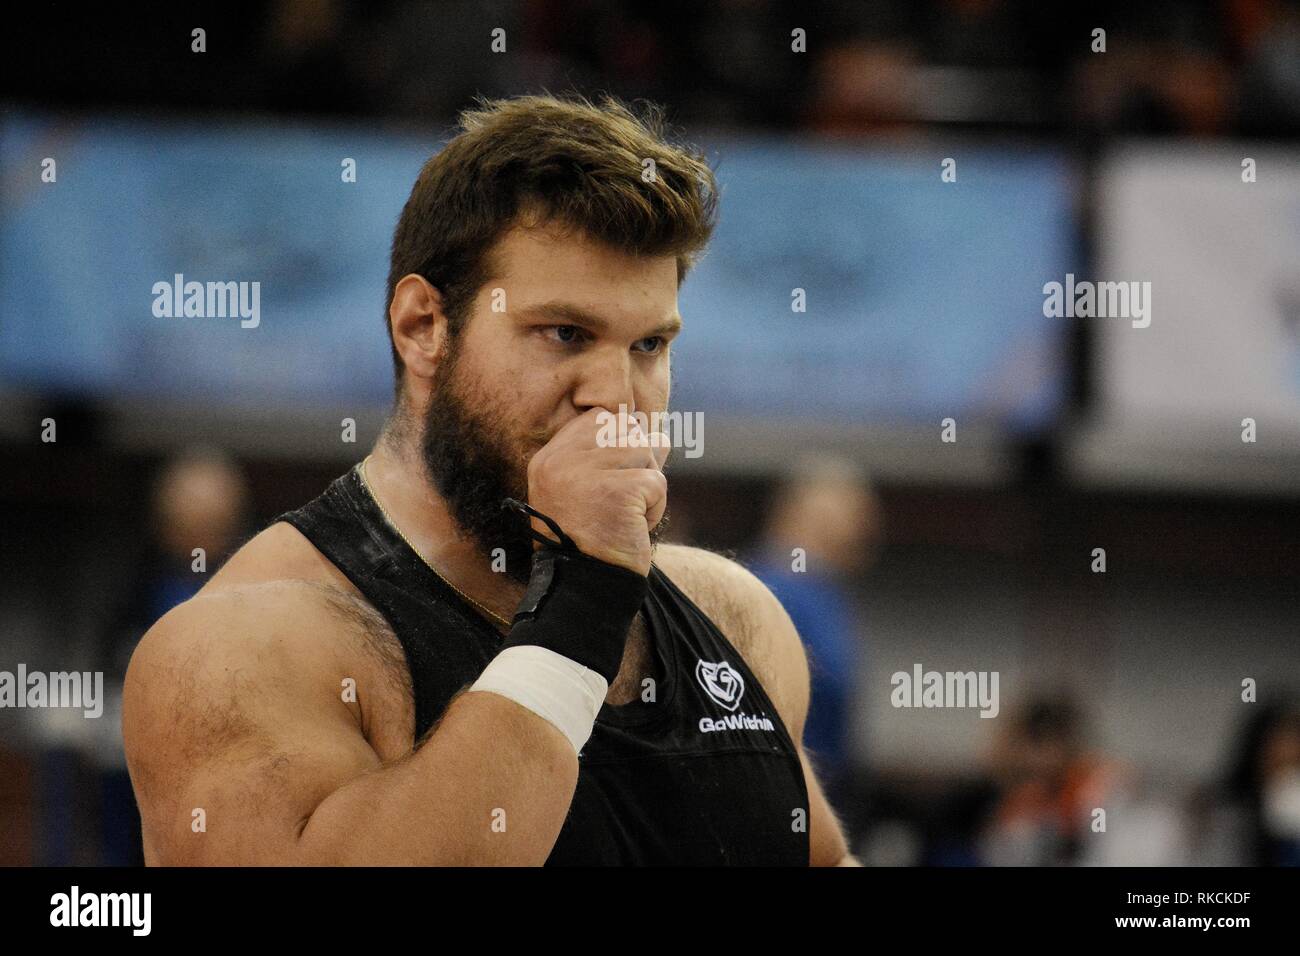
(728, 592)
(264, 619)
(243, 663)
(751, 617)
(722, 588)
(211, 658)
(279, 552)
(280, 565)
(276, 605)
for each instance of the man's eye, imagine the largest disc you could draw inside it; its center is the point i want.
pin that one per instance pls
(656, 344)
(565, 333)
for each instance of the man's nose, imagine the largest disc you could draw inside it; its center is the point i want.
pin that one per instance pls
(605, 381)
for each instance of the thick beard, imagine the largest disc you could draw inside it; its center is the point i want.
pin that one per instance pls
(473, 468)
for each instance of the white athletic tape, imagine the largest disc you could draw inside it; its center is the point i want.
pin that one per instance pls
(558, 690)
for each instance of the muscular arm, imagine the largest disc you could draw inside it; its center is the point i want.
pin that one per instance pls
(755, 621)
(234, 707)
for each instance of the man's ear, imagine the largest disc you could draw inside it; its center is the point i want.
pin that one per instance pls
(418, 325)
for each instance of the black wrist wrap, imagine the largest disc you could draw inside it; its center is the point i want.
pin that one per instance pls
(577, 605)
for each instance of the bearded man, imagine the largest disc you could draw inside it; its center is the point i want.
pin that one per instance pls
(471, 649)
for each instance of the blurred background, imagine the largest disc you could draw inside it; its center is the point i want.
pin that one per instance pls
(1120, 689)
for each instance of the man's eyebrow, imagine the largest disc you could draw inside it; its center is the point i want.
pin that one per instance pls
(568, 314)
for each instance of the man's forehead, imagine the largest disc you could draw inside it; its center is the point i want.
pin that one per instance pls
(544, 250)
(560, 274)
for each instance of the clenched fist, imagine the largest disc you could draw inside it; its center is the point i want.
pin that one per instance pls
(605, 499)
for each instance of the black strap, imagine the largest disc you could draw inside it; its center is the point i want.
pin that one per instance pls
(576, 605)
(565, 543)
(580, 607)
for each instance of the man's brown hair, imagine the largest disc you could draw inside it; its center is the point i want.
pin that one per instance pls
(544, 158)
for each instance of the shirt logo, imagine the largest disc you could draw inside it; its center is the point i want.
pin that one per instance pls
(721, 682)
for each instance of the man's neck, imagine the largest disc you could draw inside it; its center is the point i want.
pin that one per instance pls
(398, 479)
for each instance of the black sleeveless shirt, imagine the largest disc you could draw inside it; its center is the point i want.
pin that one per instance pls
(704, 774)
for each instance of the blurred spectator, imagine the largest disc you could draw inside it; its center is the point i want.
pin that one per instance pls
(823, 530)
(1048, 784)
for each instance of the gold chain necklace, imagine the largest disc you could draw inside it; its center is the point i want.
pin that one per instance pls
(393, 524)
